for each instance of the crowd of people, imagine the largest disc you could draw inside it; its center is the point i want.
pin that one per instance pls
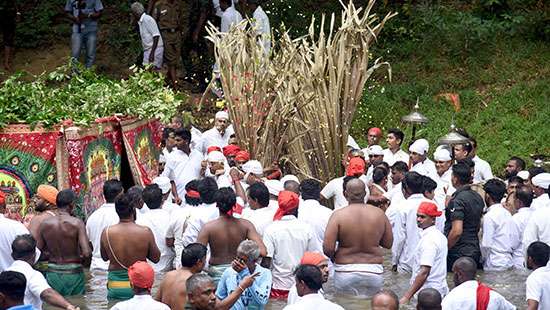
(223, 232)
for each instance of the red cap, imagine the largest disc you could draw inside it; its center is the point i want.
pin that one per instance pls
(356, 167)
(192, 194)
(231, 150)
(429, 208)
(375, 131)
(312, 258)
(141, 275)
(213, 148)
(242, 156)
(288, 202)
(2, 198)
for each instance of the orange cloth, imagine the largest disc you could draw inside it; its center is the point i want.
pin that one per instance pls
(2, 198)
(312, 258)
(231, 150)
(141, 275)
(213, 148)
(429, 208)
(482, 296)
(242, 156)
(48, 193)
(356, 167)
(288, 202)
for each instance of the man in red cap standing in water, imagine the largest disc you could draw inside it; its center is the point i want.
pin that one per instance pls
(310, 258)
(430, 261)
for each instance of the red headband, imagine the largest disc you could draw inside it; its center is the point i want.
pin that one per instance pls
(192, 194)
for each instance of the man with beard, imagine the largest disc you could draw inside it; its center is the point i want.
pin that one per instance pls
(514, 165)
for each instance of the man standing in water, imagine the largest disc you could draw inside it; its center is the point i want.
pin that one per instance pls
(358, 261)
(122, 251)
(64, 237)
(44, 205)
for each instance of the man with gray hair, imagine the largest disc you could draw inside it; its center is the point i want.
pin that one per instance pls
(201, 288)
(244, 264)
(153, 47)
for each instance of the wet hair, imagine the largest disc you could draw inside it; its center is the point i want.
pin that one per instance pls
(524, 194)
(259, 192)
(379, 173)
(196, 281)
(539, 253)
(428, 184)
(192, 185)
(207, 188)
(310, 189)
(397, 133)
(413, 183)
(183, 133)
(135, 193)
(519, 162)
(495, 188)
(250, 249)
(429, 299)
(225, 199)
(152, 196)
(23, 247)
(516, 179)
(111, 189)
(389, 293)
(124, 207)
(192, 254)
(311, 275)
(13, 285)
(462, 172)
(400, 166)
(346, 180)
(468, 267)
(65, 198)
(533, 171)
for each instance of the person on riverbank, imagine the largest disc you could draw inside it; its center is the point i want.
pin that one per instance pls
(64, 238)
(309, 280)
(172, 290)
(84, 15)
(537, 287)
(315, 259)
(45, 207)
(122, 252)
(385, 300)
(357, 262)
(201, 292)
(142, 277)
(394, 153)
(468, 292)
(522, 199)
(151, 41)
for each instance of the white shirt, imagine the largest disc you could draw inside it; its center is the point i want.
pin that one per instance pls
(391, 157)
(293, 295)
(102, 218)
(261, 25)
(482, 170)
(36, 283)
(427, 168)
(176, 228)
(432, 252)
(316, 215)
(212, 137)
(540, 202)
(499, 239)
(169, 206)
(140, 302)
(196, 136)
(199, 216)
(263, 217)
(148, 30)
(9, 229)
(230, 17)
(182, 168)
(464, 296)
(335, 188)
(521, 218)
(537, 287)
(313, 301)
(537, 229)
(157, 220)
(286, 242)
(352, 143)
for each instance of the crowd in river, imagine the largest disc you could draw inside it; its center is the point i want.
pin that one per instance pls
(218, 230)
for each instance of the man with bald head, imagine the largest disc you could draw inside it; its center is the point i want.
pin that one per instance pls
(358, 261)
(385, 300)
(429, 299)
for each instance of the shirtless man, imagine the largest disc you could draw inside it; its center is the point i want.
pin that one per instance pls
(172, 290)
(122, 251)
(358, 261)
(64, 237)
(225, 234)
(44, 201)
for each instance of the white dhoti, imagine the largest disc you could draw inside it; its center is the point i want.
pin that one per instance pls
(361, 280)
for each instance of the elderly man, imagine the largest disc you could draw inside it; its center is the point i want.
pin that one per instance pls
(419, 159)
(244, 264)
(45, 204)
(540, 182)
(537, 287)
(153, 48)
(309, 280)
(216, 165)
(357, 261)
(430, 262)
(315, 259)
(218, 135)
(468, 292)
(394, 153)
(201, 292)
(443, 163)
(373, 136)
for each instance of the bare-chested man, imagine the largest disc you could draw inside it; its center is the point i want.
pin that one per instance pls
(64, 238)
(44, 206)
(172, 291)
(226, 233)
(122, 245)
(358, 261)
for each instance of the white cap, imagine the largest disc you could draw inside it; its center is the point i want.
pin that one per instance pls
(254, 167)
(541, 180)
(442, 155)
(274, 187)
(163, 183)
(524, 174)
(222, 115)
(420, 146)
(215, 157)
(289, 177)
(375, 150)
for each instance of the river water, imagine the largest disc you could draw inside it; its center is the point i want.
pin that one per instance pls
(511, 284)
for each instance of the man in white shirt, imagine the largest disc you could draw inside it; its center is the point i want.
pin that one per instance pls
(142, 277)
(218, 135)
(373, 136)
(419, 158)
(203, 214)
(286, 240)
(153, 48)
(230, 16)
(538, 228)
(102, 218)
(540, 183)
(395, 194)
(394, 153)
(500, 236)
(523, 197)
(218, 168)
(260, 23)
(262, 207)
(468, 292)
(376, 157)
(37, 290)
(537, 287)
(430, 262)
(315, 259)
(309, 281)
(157, 220)
(335, 188)
(443, 163)
(311, 211)
(483, 170)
